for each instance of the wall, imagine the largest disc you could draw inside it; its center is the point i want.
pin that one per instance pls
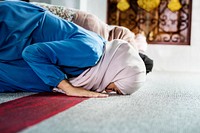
(67, 3)
(167, 57)
(180, 58)
(44, 1)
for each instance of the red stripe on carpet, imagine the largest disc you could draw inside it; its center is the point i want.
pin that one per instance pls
(21, 113)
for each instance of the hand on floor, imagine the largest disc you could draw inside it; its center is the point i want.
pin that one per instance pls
(81, 92)
(69, 90)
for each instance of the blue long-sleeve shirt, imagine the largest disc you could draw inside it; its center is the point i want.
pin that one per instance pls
(39, 48)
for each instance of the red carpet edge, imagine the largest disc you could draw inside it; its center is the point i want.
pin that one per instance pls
(21, 113)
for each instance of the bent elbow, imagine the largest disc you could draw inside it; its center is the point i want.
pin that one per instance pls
(27, 52)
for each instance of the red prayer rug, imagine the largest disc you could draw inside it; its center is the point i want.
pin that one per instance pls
(23, 112)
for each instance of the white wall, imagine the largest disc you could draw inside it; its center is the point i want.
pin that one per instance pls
(180, 58)
(44, 1)
(167, 57)
(67, 3)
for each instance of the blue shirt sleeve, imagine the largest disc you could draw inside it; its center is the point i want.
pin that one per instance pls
(47, 58)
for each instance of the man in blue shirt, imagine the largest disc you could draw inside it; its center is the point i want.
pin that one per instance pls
(64, 50)
(42, 52)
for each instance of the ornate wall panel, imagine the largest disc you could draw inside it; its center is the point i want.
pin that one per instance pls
(168, 22)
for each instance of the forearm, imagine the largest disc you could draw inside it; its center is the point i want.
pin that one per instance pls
(43, 65)
(48, 59)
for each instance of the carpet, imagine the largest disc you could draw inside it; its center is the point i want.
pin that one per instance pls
(21, 113)
(169, 102)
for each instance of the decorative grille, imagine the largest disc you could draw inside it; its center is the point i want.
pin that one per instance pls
(161, 25)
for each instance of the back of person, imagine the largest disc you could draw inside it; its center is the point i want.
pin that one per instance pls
(23, 25)
(16, 26)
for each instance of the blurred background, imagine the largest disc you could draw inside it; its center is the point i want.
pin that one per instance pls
(181, 58)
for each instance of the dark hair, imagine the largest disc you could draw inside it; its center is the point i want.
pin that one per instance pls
(148, 62)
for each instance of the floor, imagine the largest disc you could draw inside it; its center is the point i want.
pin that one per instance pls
(169, 102)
